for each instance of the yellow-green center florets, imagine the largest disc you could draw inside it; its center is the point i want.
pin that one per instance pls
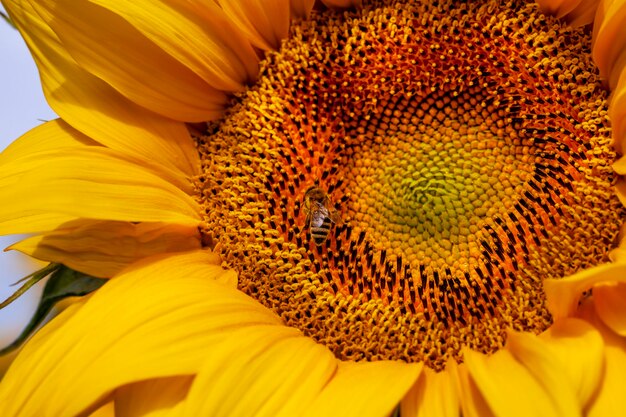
(465, 151)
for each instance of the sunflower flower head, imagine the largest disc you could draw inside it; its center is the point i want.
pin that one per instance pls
(353, 208)
(467, 151)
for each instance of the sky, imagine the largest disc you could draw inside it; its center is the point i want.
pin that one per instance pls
(21, 106)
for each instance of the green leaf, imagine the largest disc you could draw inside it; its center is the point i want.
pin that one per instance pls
(8, 20)
(63, 283)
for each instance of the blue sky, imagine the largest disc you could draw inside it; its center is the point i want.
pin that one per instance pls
(21, 105)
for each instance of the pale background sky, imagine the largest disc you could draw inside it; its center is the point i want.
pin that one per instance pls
(21, 105)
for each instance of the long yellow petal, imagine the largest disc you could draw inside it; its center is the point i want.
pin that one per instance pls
(268, 371)
(52, 135)
(198, 34)
(365, 389)
(104, 248)
(265, 22)
(93, 182)
(159, 318)
(110, 48)
(96, 109)
(567, 362)
(609, 36)
(509, 389)
(563, 295)
(153, 398)
(434, 394)
(42, 139)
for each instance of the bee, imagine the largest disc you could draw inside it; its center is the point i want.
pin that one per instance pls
(319, 214)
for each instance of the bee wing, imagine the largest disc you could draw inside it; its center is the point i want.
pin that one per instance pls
(334, 217)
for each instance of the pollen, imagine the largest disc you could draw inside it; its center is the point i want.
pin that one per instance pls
(461, 152)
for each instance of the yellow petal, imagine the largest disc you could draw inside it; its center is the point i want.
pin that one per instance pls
(301, 8)
(93, 182)
(365, 389)
(558, 8)
(342, 3)
(197, 34)
(509, 389)
(575, 12)
(265, 22)
(609, 36)
(107, 410)
(617, 114)
(152, 398)
(567, 361)
(55, 134)
(473, 403)
(610, 300)
(157, 319)
(104, 248)
(136, 67)
(434, 394)
(94, 108)
(40, 141)
(582, 15)
(563, 295)
(580, 348)
(271, 371)
(609, 400)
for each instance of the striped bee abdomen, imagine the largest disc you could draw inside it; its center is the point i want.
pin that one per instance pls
(320, 230)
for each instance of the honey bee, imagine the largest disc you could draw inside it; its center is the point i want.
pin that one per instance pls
(319, 214)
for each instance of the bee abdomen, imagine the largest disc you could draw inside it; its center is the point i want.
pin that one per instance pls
(320, 233)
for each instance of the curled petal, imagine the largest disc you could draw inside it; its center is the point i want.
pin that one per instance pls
(610, 301)
(563, 295)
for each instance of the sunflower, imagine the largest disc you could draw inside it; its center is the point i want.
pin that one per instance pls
(345, 208)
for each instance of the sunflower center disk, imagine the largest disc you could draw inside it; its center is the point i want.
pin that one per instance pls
(402, 179)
